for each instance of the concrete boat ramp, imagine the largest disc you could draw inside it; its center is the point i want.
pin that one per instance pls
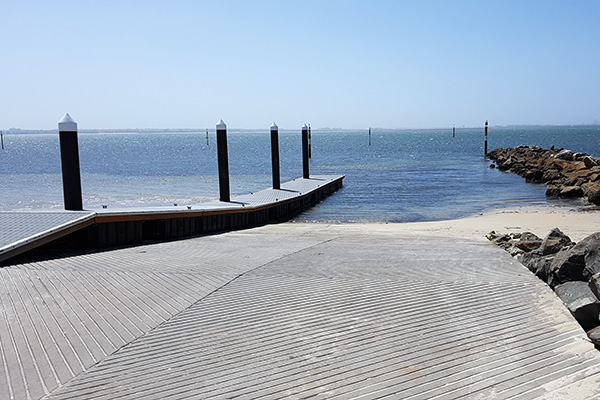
(290, 311)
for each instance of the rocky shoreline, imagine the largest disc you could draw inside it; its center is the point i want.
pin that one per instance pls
(565, 173)
(571, 269)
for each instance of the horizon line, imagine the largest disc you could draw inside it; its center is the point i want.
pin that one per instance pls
(142, 130)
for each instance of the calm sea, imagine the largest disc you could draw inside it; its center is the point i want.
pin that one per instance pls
(404, 175)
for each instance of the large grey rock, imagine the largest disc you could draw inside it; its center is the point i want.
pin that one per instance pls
(571, 191)
(589, 162)
(564, 155)
(554, 241)
(594, 335)
(578, 263)
(528, 245)
(553, 190)
(594, 284)
(590, 249)
(529, 236)
(581, 301)
(551, 175)
(537, 264)
(567, 266)
(527, 242)
(592, 191)
(542, 267)
(528, 260)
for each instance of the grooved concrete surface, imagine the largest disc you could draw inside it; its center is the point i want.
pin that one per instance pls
(290, 311)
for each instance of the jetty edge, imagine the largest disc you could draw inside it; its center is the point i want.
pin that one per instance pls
(565, 173)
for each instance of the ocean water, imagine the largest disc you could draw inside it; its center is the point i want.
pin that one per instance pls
(403, 176)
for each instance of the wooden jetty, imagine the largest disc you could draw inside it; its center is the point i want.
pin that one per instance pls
(21, 231)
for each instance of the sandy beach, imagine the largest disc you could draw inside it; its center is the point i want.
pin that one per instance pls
(575, 221)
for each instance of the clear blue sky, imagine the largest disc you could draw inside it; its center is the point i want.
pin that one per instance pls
(350, 64)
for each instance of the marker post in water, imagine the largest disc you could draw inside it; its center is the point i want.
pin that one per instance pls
(69, 159)
(309, 142)
(453, 131)
(485, 145)
(305, 168)
(223, 161)
(207, 138)
(369, 136)
(2, 139)
(275, 155)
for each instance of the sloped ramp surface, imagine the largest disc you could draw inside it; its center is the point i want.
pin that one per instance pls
(327, 322)
(322, 312)
(56, 324)
(61, 317)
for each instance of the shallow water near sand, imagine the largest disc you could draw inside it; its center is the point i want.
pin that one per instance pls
(403, 176)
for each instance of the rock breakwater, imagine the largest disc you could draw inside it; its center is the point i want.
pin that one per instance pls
(571, 269)
(565, 173)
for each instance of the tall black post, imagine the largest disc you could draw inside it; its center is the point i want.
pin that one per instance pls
(223, 161)
(275, 155)
(485, 146)
(305, 169)
(69, 159)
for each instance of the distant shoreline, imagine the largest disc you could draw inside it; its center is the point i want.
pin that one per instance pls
(19, 131)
